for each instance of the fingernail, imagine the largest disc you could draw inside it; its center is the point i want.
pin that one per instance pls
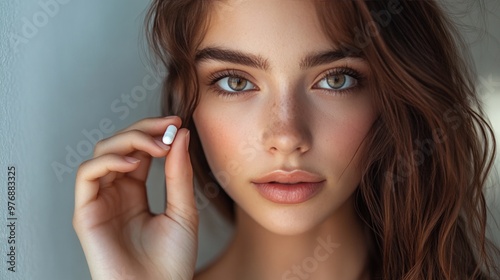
(132, 159)
(161, 145)
(187, 140)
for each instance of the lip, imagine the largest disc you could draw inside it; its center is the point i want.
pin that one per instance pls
(293, 177)
(289, 187)
(288, 193)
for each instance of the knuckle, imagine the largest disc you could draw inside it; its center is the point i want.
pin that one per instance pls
(186, 214)
(131, 134)
(75, 222)
(78, 223)
(98, 146)
(80, 172)
(135, 133)
(134, 136)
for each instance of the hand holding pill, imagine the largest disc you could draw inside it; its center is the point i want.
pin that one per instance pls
(112, 185)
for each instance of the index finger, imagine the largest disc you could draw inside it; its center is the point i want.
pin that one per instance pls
(154, 126)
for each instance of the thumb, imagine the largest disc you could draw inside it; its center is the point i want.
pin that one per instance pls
(179, 180)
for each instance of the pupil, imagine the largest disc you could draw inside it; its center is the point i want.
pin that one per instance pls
(336, 81)
(236, 83)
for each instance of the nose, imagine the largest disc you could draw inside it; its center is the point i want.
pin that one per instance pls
(286, 131)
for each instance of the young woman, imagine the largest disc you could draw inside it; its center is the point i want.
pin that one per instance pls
(344, 139)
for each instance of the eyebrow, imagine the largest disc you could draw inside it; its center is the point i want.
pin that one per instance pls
(232, 56)
(238, 57)
(326, 57)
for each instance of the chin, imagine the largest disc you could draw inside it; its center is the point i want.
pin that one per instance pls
(290, 229)
(290, 220)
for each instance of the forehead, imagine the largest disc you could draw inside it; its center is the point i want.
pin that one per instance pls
(261, 24)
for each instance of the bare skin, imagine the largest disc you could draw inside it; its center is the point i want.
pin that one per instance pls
(287, 116)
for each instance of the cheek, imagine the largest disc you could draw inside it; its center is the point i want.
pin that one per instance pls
(221, 139)
(345, 139)
(351, 134)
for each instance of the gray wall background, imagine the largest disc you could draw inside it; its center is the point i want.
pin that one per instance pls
(67, 68)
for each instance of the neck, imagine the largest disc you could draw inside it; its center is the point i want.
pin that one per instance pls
(336, 249)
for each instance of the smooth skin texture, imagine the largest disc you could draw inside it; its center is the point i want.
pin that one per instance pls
(286, 116)
(282, 114)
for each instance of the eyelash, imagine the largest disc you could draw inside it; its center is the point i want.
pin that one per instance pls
(215, 77)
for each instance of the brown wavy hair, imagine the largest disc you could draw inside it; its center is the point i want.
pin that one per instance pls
(429, 152)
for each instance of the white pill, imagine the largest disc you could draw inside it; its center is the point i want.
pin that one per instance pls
(169, 135)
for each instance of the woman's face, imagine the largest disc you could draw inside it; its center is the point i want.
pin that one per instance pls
(275, 94)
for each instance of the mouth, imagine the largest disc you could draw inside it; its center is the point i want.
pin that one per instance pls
(289, 187)
(289, 193)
